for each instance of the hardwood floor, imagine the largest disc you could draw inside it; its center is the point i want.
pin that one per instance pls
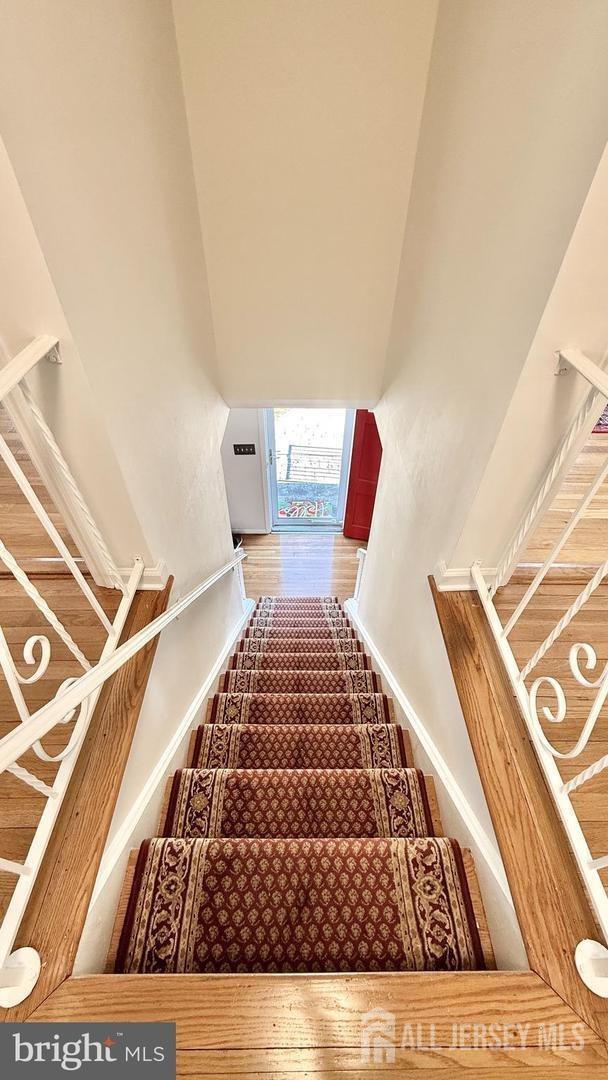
(590, 625)
(22, 533)
(59, 903)
(294, 564)
(553, 911)
(586, 549)
(311, 1026)
(588, 543)
(20, 806)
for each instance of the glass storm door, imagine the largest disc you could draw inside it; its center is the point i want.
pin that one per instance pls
(308, 460)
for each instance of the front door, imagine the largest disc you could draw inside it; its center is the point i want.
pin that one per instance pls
(364, 470)
(308, 461)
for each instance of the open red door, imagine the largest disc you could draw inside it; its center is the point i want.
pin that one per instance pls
(363, 479)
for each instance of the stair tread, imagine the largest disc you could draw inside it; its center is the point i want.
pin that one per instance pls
(300, 682)
(261, 708)
(299, 746)
(298, 803)
(305, 661)
(299, 645)
(286, 619)
(307, 905)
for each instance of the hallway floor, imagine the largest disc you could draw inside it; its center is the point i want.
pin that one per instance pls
(589, 541)
(323, 564)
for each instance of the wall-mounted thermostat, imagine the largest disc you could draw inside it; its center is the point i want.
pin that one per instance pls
(243, 447)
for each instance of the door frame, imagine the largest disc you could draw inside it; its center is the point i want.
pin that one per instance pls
(271, 501)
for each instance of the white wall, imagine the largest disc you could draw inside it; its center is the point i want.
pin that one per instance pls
(245, 476)
(513, 127)
(29, 306)
(543, 406)
(304, 118)
(92, 112)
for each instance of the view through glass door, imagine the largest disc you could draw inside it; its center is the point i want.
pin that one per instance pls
(308, 459)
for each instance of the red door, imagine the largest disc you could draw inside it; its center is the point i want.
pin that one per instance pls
(363, 479)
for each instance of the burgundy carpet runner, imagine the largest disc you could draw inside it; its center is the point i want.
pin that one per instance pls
(300, 838)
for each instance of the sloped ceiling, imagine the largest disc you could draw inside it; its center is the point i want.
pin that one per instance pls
(304, 119)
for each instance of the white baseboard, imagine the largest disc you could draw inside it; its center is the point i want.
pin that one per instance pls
(486, 848)
(123, 834)
(153, 577)
(456, 579)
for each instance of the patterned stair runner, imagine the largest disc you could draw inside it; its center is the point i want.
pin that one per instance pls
(300, 837)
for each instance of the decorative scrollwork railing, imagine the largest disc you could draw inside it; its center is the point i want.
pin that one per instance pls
(582, 665)
(18, 971)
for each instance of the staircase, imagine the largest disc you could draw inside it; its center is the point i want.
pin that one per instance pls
(301, 838)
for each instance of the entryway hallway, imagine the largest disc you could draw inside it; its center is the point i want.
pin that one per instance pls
(296, 564)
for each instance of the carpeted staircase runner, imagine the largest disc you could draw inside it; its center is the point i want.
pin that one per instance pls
(300, 837)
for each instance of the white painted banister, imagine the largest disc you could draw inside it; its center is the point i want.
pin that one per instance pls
(19, 970)
(40, 348)
(361, 553)
(587, 368)
(83, 692)
(591, 956)
(13, 745)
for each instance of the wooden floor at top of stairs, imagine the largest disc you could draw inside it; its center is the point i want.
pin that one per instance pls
(310, 1025)
(60, 899)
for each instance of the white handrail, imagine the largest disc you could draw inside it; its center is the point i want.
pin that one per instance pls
(587, 368)
(32, 354)
(361, 553)
(18, 741)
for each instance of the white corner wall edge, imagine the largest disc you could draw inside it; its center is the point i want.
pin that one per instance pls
(485, 845)
(456, 579)
(123, 835)
(153, 577)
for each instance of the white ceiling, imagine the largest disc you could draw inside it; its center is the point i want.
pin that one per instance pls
(304, 119)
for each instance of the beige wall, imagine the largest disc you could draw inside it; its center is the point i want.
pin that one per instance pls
(512, 131)
(92, 112)
(543, 406)
(303, 118)
(29, 306)
(245, 477)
